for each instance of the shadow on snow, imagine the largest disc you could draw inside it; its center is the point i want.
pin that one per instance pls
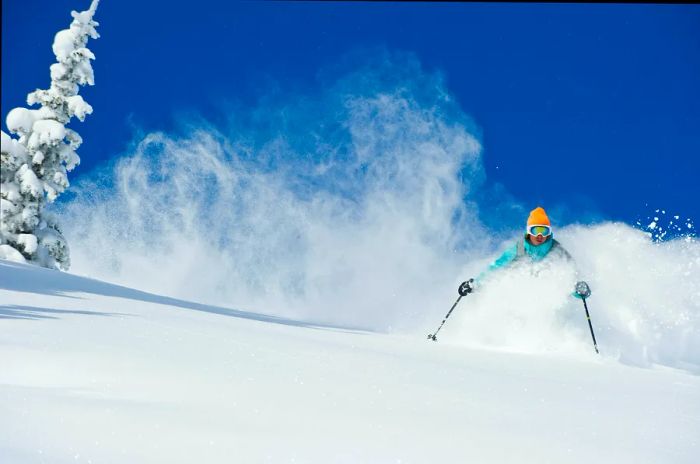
(32, 279)
(33, 312)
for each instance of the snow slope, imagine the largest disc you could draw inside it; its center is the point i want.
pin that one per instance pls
(94, 372)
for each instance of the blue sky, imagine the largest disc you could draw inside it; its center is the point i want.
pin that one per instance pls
(595, 107)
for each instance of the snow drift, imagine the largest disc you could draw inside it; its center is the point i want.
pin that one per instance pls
(93, 372)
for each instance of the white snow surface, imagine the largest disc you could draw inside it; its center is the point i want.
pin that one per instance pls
(20, 120)
(30, 182)
(9, 253)
(47, 132)
(63, 44)
(94, 372)
(12, 146)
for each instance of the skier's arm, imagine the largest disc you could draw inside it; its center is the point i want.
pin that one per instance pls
(504, 260)
(576, 293)
(568, 257)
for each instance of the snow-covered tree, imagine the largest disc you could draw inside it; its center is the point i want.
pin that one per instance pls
(35, 165)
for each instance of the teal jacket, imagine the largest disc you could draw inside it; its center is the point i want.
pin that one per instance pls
(523, 249)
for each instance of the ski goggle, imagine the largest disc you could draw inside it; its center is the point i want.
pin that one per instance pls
(536, 230)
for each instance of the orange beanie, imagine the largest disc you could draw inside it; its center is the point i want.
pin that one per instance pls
(538, 217)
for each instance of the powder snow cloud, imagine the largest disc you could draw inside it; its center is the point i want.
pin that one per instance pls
(355, 204)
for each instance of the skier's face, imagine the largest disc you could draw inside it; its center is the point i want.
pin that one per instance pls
(536, 239)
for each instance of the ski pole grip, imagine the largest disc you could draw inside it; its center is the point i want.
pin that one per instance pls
(466, 287)
(582, 289)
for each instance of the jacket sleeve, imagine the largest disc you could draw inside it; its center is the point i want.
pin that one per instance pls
(504, 260)
(571, 260)
(565, 254)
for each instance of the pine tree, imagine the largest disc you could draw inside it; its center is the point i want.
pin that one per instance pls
(34, 167)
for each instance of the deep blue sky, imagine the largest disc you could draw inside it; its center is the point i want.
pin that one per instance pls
(593, 106)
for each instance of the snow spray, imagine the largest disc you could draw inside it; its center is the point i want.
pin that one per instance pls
(347, 207)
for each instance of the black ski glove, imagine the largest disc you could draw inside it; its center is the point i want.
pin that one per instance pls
(466, 287)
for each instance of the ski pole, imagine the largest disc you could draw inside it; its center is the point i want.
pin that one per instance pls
(432, 336)
(590, 326)
(464, 289)
(584, 291)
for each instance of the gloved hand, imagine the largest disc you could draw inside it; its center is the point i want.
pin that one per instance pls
(466, 287)
(582, 290)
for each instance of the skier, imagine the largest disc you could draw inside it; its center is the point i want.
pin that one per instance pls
(537, 244)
